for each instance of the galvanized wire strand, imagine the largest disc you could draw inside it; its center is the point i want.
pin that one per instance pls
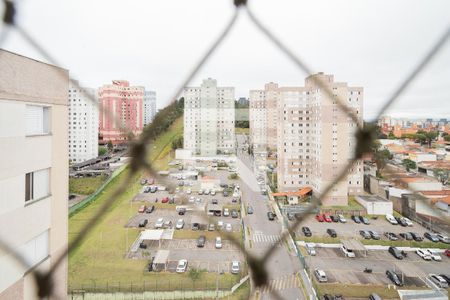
(300, 63)
(416, 71)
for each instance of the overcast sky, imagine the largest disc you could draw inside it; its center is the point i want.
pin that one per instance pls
(373, 44)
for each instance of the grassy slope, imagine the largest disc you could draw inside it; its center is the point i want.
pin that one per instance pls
(100, 258)
(85, 185)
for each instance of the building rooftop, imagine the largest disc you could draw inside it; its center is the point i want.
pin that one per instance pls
(373, 198)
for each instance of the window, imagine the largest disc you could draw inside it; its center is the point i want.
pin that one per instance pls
(37, 120)
(36, 249)
(37, 184)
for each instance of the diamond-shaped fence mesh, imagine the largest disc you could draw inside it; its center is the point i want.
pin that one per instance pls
(365, 136)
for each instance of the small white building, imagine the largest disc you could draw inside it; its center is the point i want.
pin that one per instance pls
(149, 106)
(375, 205)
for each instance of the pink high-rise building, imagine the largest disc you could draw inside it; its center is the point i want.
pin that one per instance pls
(122, 111)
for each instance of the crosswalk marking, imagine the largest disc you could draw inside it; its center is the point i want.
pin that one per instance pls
(282, 283)
(266, 238)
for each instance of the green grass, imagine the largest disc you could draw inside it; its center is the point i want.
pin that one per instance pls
(85, 185)
(423, 244)
(239, 130)
(99, 261)
(319, 239)
(357, 291)
(352, 205)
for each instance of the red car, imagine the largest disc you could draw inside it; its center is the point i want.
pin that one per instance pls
(165, 200)
(319, 218)
(142, 208)
(447, 252)
(327, 218)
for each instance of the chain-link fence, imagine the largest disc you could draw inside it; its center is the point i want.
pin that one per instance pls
(365, 136)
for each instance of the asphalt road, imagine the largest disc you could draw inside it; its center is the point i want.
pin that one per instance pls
(282, 264)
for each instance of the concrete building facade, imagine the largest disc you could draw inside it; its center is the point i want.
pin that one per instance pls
(122, 111)
(83, 123)
(314, 139)
(149, 106)
(33, 173)
(209, 119)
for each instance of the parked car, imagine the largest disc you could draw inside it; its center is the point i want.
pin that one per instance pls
(407, 236)
(423, 254)
(217, 213)
(150, 209)
(447, 278)
(214, 201)
(225, 194)
(334, 218)
(226, 212)
(249, 210)
(438, 280)
(319, 218)
(142, 209)
(182, 266)
(374, 296)
(364, 220)
(179, 224)
(394, 277)
(310, 248)
(416, 237)
(147, 189)
(218, 242)
(153, 189)
(431, 236)
(143, 181)
(433, 255)
(401, 221)
(395, 252)
(365, 234)
(356, 219)
(291, 216)
(143, 223)
(234, 214)
(200, 192)
(195, 226)
(390, 218)
(447, 252)
(211, 227)
(332, 232)
(228, 227)
(391, 236)
(159, 223)
(306, 231)
(408, 221)
(374, 235)
(342, 219)
(348, 252)
(328, 297)
(327, 218)
(206, 192)
(320, 275)
(188, 191)
(167, 224)
(213, 192)
(443, 238)
(235, 267)
(271, 216)
(201, 241)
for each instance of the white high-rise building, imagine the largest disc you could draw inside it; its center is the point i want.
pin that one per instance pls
(209, 119)
(315, 139)
(149, 106)
(83, 124)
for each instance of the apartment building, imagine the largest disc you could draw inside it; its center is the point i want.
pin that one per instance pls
(209, 119)
(33, 172)
(83, 123)
(315, 139)
(122, 111)
(149, 106)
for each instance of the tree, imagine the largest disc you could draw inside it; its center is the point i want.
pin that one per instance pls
(110, 146)
(427, 137)
(442, 175)
(409, 164)
(447, 138)
(391, 136)
(102, 150)
(233, 176)
(380, 156)
(194, 274)
(177, 143)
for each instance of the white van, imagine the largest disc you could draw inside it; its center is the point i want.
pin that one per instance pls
(310, 249)
(391, 219)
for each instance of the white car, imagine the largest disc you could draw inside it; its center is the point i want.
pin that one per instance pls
(342, 219)
(219, 224)
(182, 266)
(226, 212)
(218, 242)
(310, 249)
(443, 238)
(391, 219)
(408, 221)
(423, 254)
(213, 192)
(188, 191)
(180, 224)
(159, 223)
(348, 252)
(433, 255)
(439, 281)
(228, 227)
(235, 268)
(191, 199)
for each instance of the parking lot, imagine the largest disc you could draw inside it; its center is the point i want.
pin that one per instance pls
(340, 269)
(351, 229)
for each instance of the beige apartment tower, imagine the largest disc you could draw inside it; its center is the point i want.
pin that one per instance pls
(33, 172)
(315, 139)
